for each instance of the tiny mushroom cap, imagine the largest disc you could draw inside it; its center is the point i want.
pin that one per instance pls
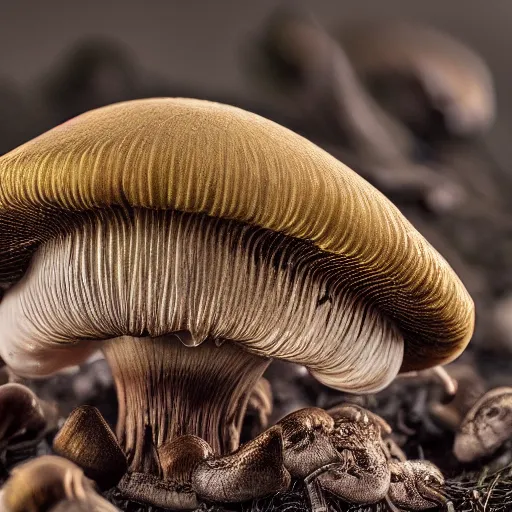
(423, 73)
(486, 426)
(87, 440)
(144, 224)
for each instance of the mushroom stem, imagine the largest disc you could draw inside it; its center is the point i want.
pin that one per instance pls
(170, 390)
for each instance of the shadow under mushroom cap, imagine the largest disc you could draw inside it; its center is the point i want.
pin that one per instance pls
(201, 157)
(151, 273)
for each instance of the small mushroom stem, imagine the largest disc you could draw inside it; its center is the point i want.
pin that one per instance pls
(315, 492)
(449, 384)
(170, 390)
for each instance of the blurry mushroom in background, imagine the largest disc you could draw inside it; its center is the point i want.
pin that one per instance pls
(94, 73)
(470, 387)
(47, 483)
(319, 83)
(486, 427)
(24, 419)
(332, 107)
(432, 82)
(501, 325)
(437, 373)
(193, 242)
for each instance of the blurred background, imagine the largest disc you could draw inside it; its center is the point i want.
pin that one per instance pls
(200, 44)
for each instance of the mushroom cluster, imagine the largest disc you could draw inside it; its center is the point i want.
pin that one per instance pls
(192, 243)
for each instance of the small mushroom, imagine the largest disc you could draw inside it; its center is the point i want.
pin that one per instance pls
(356, 413)
(173, 488)
(416, 485)
(486, 426)
(306, 443)
(255, 470)
(87, 440)
(363, 476)
(470, 387)
(155, 231)
(47, 484)
(22, 420)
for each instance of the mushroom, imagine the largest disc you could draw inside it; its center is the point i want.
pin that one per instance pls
(323, 89)
(173, 489)
(470, 387)
(319, 81)
(363, 476)
(486, 426)
(306, 442)
(255, 469)
(433, 83)
(380, 430)
(416, 485)
(50, 483)
(87, 440)
(194, 242)
(24, 419)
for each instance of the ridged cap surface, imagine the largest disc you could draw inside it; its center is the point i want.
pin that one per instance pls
(198, 156)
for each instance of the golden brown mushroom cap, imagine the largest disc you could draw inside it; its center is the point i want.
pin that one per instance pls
(202, 157)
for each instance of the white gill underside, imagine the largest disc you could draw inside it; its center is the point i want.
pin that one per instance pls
(159, 272)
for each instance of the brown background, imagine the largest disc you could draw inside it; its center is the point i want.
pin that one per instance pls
(201, 42)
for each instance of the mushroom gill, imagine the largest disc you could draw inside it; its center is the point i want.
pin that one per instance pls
(144, 280)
